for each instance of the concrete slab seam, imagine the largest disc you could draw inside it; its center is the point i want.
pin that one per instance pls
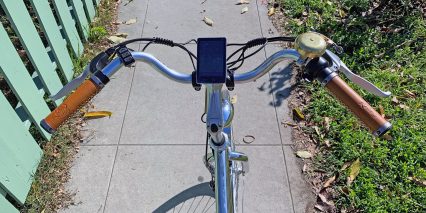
(124, 117)
(276, 114)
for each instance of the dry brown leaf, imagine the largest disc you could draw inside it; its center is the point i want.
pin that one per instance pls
(353, 171)
(130, 21)
(303, 154)
(418, 181)
(327, 143)
(320, 208)
(327, 123)
(395, 100)
(244, 10)
(116, 39)
(208, 21)
(382, 111)
(409, 93)
(271, 11)
(387, 137)
(346, 165)
(317, 130)
(403, 106)
(329, 181)
(287, 123)
(324, 200)
(123, 35)
(243, 2)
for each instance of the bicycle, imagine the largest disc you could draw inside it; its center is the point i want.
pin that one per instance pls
(217, 73)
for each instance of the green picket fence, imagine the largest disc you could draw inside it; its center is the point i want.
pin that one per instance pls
(65, 26)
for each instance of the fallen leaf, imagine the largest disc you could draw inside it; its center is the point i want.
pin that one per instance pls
(123, 35)
(116, 39)
(409, 93)
(342, 13)
(303, 154)
(327, 124)
(289, 123)
(324, 200)
(208, 21)
(329, 181)
(327, 143)
(243, 2)
(346, 165)
(395, 100)
(319, 207)
(244, 10)
(354, 171)
(130, 21)
(317, 131)
(387, 137)
(97, 114)
(234, 99)
(382, 111)
(403, 106)
(271, 11)
(298, 113)
(418, 181)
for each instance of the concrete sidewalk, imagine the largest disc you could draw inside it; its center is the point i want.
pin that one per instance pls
(148, 156)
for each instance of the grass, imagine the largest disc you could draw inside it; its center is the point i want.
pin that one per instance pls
(384, 41)
(48, 193)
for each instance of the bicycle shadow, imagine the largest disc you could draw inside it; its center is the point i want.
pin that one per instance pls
(279, 85)
(198, 198)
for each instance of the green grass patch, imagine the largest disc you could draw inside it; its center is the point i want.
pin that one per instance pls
(383, 41)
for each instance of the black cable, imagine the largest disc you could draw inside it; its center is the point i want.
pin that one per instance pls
(146, 46)
(207, 147)
(248, 56)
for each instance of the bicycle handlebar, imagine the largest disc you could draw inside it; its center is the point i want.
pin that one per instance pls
(354, 102)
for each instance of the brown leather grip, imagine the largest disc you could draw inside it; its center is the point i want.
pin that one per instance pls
(358, 106)
(58, 116)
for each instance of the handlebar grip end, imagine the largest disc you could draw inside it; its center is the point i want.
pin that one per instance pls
(383, 129)
(47, 127)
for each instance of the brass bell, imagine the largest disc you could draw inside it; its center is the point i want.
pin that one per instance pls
(311, 45)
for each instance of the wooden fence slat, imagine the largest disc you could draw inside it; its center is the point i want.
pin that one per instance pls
(54, 37)
(21, 83)
(19, 154)
(81, 17)
(90, 9)
(36, 52)
(5, 206)
(69, 26)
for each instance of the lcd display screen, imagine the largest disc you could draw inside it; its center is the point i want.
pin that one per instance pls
(211, 60)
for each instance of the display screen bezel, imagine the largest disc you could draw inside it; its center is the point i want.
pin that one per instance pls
(203, 64)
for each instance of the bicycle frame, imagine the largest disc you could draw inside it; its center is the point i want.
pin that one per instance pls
(219, 111)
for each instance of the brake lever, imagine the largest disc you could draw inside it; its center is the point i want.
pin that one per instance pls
(97, 63)
(358, 80)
